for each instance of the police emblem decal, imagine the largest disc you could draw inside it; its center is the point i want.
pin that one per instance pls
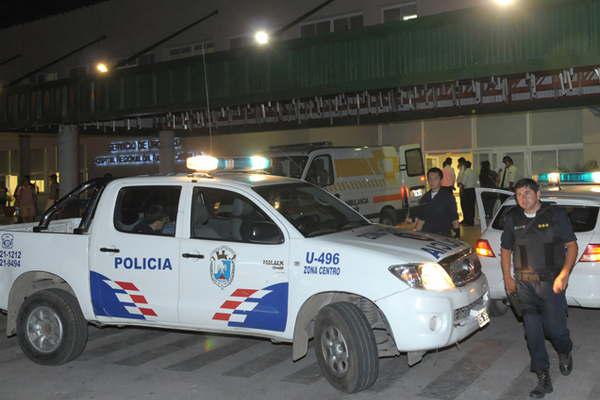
(7, 241)
(222, 266)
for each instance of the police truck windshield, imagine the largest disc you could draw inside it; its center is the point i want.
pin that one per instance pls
(291, 167)
(311, 210)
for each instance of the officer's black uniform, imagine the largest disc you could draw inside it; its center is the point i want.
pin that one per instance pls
(438, 212)
(538, 246)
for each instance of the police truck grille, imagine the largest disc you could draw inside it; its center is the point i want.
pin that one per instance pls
(463, 267)
(464, 312)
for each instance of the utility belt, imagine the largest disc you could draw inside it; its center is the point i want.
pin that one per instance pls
(528, 276)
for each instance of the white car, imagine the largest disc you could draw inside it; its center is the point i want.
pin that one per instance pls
(581, 204)
(244, 254)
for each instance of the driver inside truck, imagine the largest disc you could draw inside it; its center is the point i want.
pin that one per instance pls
(154, 220)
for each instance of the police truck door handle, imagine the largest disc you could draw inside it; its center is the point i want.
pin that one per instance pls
(189, 255)
(107, 250)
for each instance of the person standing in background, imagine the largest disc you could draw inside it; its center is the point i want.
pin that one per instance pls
(26, 200)
(488, 179)
(54, 191)
(467, 199)
(449, 179)
(508, 176)
(459, 178)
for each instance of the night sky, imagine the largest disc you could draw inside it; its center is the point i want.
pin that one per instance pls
(22, 11)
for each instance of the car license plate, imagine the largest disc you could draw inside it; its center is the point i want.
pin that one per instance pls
(481, 316)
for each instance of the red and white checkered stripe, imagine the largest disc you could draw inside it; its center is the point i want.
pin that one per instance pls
(237, 301)
(132, 295)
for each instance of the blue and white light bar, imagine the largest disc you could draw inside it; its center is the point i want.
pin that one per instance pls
(568, 178)
(205, 163)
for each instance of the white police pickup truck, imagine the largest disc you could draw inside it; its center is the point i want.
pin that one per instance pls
(245, 254)
(579, 196)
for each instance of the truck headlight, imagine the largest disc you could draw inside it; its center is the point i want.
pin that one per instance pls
(429, 276)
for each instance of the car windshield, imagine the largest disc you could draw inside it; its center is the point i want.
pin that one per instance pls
(291, 167)
(311, 210)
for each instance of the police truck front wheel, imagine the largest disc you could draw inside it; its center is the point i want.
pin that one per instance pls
(51, 328)
(345, 347)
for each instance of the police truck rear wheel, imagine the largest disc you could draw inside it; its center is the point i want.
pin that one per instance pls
(497, 308)
(345, 347)
(388, 217)
(51, 328)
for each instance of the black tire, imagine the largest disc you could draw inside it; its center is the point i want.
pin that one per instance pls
(497, 308)
(388, 216)
(362, 362)
(64, 311)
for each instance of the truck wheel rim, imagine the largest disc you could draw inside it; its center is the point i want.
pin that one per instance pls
(44, 329)
(335, 351)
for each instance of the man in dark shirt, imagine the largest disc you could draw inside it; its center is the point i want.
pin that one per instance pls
(540, 239)
(437, 208)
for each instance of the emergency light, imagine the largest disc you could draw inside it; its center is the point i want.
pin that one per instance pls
(205, 163)
(202, 163)
(566, 178)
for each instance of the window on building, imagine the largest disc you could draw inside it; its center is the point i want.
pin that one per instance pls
(209, 47)
(149, 210)
(347, 23)
(146, 59)
(78, 72)
(180, 51)
(400, 12)
(239, 42)
(337, 24)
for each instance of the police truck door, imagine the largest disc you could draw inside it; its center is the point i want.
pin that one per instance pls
(134, 255)
(233, 265)
(488, 204)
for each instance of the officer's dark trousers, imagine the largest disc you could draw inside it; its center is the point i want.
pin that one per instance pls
(467, 201)
(544, 315)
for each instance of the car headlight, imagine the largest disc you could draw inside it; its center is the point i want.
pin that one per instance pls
(429, 276)
(417, 192)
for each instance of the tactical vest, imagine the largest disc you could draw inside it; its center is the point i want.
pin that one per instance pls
(537, 249)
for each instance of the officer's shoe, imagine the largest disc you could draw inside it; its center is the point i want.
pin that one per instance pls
(544, 385)
(565, 363)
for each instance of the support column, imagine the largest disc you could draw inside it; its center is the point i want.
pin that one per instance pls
(167, 152)
(24, 155)
(68, 162)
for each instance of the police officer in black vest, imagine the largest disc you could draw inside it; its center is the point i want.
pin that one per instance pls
(540, 239)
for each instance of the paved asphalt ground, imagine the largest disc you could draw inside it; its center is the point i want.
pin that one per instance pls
(134, 363)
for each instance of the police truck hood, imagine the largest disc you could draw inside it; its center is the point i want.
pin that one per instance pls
(413, 246)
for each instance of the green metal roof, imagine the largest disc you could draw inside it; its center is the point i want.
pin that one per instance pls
(472, 43)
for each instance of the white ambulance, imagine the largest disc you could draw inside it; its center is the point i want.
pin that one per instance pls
(380, 182)
(244, 254)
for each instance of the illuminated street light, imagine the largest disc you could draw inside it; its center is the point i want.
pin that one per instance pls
(504, 3)
(261, 38)
(102, 68)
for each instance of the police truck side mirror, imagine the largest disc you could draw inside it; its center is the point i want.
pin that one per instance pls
(264, 233)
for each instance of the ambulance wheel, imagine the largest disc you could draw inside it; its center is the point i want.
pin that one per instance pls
(497, 308)
(51, 328)
(387, 216)
(345, 347)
